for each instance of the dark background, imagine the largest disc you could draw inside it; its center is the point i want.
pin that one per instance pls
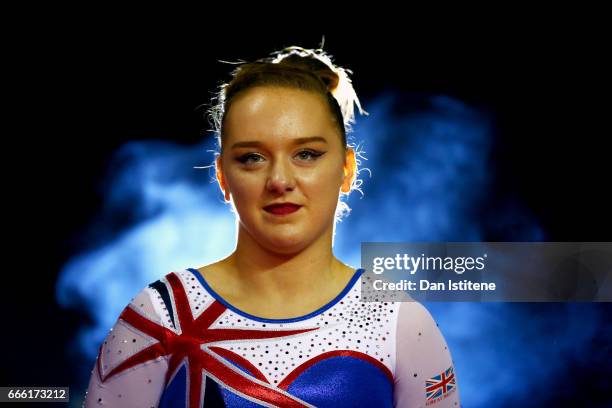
(78, 91)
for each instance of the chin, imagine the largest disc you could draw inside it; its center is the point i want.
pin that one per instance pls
(286, 245)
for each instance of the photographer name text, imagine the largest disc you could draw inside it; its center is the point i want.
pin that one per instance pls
(424, 284)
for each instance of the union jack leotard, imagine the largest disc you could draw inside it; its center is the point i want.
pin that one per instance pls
(179, 344)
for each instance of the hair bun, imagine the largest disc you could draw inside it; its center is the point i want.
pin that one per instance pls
(335, 78)
(307, 60)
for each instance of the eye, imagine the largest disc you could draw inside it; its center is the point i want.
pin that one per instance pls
(249, 158)
(309, 155)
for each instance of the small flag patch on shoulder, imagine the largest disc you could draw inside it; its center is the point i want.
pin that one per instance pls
(440, 386)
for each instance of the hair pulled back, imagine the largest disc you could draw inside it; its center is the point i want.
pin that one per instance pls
(295, 67)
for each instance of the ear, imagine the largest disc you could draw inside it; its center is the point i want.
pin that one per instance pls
(350, 167)
(221, 178)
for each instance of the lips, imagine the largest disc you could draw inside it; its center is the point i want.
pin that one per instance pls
(282, 208)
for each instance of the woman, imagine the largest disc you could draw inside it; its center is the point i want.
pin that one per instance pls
(278, 322)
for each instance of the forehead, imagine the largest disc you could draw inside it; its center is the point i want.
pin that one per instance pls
(276, 113)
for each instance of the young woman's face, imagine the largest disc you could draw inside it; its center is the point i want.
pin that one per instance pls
(281, 145)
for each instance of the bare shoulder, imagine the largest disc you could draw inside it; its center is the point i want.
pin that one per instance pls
(209, 269)
(346, 271)
(218, 276)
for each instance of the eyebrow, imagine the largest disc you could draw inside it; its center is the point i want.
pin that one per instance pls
(295, 142)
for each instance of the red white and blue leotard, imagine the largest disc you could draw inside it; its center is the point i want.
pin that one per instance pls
(179, 344)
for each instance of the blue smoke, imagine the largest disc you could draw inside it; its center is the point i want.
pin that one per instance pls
(430, 181)
(176, 218)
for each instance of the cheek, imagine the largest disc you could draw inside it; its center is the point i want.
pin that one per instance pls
(244, 186)
(323, 183)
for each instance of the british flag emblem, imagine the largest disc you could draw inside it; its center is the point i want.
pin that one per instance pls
(439, 386)
(189, 344)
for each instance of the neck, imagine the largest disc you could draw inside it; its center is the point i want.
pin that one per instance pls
(284, 276)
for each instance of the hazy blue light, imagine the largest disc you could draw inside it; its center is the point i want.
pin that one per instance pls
(428, 158)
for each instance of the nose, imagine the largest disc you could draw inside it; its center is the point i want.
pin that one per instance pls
(280, 178)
